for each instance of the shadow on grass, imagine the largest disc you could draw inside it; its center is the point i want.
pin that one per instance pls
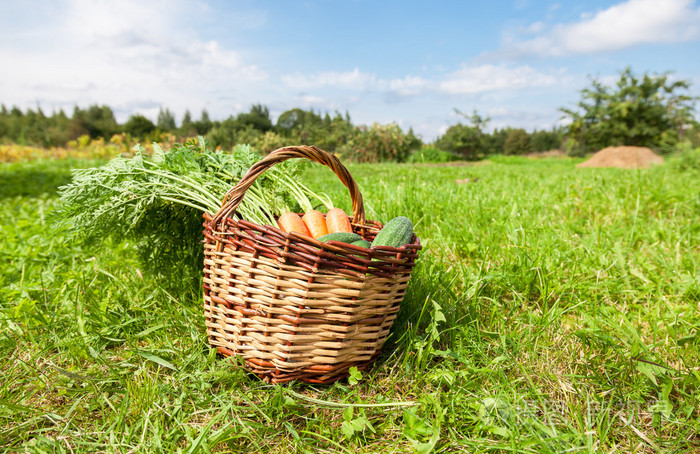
(435, 291)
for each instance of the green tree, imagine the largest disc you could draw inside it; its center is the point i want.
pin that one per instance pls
(331, 134)
(34, 127)
(58, 129)
(494, 143)
(139, 126)
(517, 142)
(4, 124)
(15, 121)
(465, 140)
(166, 120)
(462, 140)
(258, 118)
(204, 124)
(224, 134)
(299, 119)
(78, 123)
(187, 128)
(546, 140)
(95, 121)
(247, 127)
(649, 111)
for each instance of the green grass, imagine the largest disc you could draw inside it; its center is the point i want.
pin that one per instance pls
(553, 309)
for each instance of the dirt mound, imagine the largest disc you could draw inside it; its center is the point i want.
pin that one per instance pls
(624, 158)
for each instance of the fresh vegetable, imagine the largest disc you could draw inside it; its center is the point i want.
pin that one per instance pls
(316, 223)
(292, 222)
(395, 233)
(157, 201)
(337, 221)
(344, 237)
(362, 243)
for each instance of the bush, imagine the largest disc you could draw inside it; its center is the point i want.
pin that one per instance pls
(463, 140)
(270, 141)
(517, 142)
(692, 135)
(379, 143)
(139, 126)
(546, 140)
(687, 159)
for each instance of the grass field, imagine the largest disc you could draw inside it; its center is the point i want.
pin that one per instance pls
(553, 309)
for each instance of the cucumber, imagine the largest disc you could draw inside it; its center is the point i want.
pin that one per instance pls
(344, 237)
(395, 233)
(361, 243)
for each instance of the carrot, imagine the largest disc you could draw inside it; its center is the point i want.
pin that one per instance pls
(291, 222)
(316, 223)
(337, 221)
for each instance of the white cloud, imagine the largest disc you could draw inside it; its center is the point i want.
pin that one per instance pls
(484, 78)
(408, 86)
(535, 27)
(468, 80)
(312, 101)
(131, 55)
(617, 27)
(358, 81)
(346, 80)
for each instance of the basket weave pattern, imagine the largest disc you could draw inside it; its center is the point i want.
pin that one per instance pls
(294, 308)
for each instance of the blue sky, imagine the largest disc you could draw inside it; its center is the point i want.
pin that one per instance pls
(412, 63)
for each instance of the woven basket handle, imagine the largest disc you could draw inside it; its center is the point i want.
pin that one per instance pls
(234, 197)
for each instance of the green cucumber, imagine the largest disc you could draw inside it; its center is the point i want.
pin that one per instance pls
(362, 243)
(344, 237)
(395, 233)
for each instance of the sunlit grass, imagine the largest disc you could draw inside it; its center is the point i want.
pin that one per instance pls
(569, 298)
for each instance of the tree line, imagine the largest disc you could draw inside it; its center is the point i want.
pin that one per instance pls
(652, 111)
(335, 133)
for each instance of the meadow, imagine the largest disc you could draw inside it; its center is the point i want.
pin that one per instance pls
(553, 309)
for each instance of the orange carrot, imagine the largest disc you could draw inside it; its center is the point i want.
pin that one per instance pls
(316, 223)
(337, 221)
(291, 222)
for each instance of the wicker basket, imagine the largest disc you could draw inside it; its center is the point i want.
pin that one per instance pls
(294, 308)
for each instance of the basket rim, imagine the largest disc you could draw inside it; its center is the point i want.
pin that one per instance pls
(333, 246)
(312, 153)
